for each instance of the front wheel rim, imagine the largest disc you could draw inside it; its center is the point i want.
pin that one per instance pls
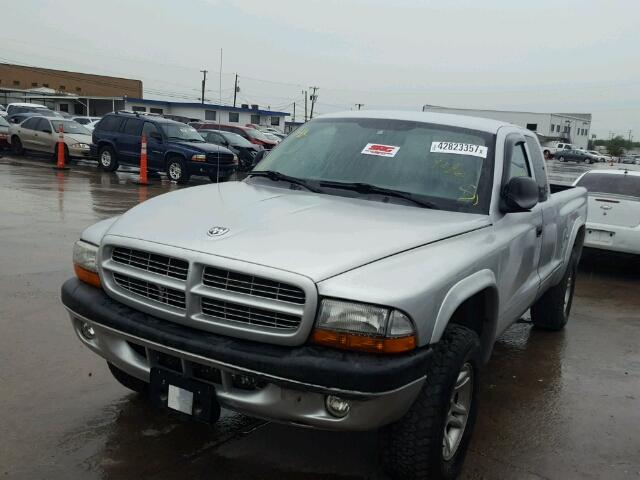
(175, 171)
(458, 413)
(105, 159)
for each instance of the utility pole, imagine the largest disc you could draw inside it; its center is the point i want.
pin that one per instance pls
(305, 105)
(236, 89)
(314, 97)
(359, 105)
(630, 137)
(294, 112)
(204, 81)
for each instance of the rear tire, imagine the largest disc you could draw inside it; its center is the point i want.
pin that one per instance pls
(177, 170)
(128, 381)
(552, 310)
(107, 159)
(16, 146)
(414, 447)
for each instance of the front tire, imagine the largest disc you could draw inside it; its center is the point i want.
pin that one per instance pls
(561, 159)
(431, 440)
(177, 170)
(128, 381)
(551, 311)
(107, 159)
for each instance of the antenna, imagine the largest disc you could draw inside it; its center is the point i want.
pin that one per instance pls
(219, 129)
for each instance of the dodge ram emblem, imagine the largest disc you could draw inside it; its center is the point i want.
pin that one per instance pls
(217, 231)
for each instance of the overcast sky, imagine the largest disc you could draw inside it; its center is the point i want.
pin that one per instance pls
(544, 56)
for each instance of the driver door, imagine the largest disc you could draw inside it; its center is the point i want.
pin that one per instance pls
(519, 267)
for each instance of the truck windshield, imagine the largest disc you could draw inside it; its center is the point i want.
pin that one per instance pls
(449, 167)
(179, 131)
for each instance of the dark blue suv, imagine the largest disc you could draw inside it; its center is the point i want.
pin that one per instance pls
(172, 147)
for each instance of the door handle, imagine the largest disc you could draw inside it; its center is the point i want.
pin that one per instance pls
(538, 230)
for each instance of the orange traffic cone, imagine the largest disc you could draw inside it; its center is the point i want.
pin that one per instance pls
(60, 146)
(143, 180)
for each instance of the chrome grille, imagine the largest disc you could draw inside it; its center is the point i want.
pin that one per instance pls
(157, 293)
(151, 262)
(250, 315)
(251, 285)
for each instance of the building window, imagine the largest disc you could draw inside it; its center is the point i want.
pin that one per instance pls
(139, 109)
(156, 110)
(275, 120)
(558, 128)
(255, 119)
(45, 85)
(234, 117)
(34, 84)
(78, 89)
(209, 114)
(62, 87)
(64, 107)
(553, 128)
(16, 83)
(532, 126)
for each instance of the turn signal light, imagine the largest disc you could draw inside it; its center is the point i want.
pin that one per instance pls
(349, 341)
(87, 276)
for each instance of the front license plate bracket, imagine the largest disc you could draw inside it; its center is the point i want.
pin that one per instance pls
(184, 396)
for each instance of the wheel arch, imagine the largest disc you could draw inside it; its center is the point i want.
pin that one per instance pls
(473, 303)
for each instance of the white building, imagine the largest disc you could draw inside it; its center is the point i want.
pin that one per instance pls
(567, 127)
(186, 112)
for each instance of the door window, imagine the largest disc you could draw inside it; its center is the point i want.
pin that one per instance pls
(30, 124)
(133, 127)
(148, 129)
(537, 161)
(43, 124)
(518, 166)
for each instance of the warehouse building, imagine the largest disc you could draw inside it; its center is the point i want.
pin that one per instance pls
(22, 77)
(187, 111)
(565, 127)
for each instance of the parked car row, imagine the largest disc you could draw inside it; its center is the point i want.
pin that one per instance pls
(180, 150)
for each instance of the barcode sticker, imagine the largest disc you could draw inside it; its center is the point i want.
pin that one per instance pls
(459, 148)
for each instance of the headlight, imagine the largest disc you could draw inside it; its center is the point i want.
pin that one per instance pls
(199, 158)
(84, 263)
(359, 326)
(84, 146)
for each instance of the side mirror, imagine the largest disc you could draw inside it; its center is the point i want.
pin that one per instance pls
(520, 194)
(260, 155)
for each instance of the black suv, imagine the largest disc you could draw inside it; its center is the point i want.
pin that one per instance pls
(243, 148)
(172, 147)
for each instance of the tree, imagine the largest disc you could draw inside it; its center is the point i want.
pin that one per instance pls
(616, 146)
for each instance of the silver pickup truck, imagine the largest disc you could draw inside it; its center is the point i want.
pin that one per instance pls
(357, 279)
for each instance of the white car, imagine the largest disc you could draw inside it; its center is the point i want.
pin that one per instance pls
(91, 125)
(613, 221)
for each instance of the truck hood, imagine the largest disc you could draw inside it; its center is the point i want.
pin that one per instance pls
(201, 147)
(315, 235)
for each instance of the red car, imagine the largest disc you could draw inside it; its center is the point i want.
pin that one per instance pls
(254, 136)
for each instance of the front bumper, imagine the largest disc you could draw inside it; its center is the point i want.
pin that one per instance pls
(204, 168)
(75, 152)
(293, 382)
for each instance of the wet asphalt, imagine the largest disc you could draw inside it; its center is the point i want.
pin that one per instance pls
(552, 405)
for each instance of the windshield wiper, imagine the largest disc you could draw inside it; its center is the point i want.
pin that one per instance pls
(277, 176)
(367, 188)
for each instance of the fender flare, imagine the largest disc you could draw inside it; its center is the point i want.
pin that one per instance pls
(577, 225)
(459, 293)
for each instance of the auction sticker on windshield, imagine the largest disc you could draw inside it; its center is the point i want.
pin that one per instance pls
(380, 150)
(459, 148)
